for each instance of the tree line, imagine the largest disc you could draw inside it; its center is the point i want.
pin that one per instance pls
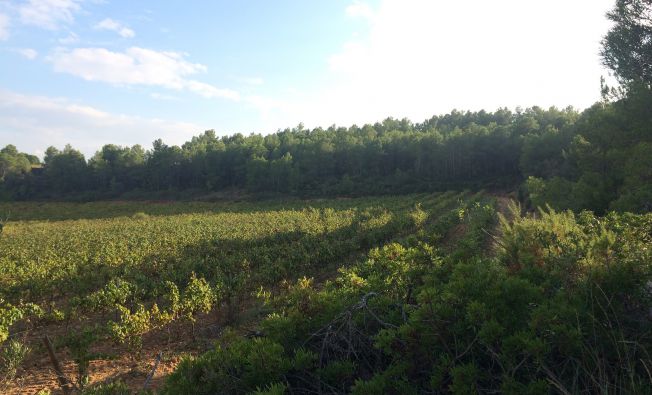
(598, 159)
(460, 148)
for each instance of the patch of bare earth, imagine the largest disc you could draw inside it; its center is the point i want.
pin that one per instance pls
(172, 342)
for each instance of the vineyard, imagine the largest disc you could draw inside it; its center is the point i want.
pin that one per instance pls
(452, 292)
(140, 278)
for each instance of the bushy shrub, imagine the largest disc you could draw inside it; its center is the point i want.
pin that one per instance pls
(116, 292)
(114, 388)
(79, 345)
(12, 356)
(131, 327)
(240, 368)
(140, 216)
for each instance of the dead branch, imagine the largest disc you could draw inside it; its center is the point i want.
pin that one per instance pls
(151, 373)
(64, 383)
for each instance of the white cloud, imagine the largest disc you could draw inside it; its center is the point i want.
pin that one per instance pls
(268, 107)
(360, 9)
(160, 96)
(49, 14)
(4, 27)
(210, 92)
(253, 80)
(115, 26)
(28, 53)
(33, 123)
(422, 57)
(137, 66)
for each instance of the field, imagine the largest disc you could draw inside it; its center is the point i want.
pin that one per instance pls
(453, 292)
(128, 277)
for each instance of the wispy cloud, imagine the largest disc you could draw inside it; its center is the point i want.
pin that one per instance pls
(160, 96)
(4, 27)
(49, 14)
(35, 122)
(360, 9)
(270, 107)
(115, 26)
(209, 91)
(137, 66)
(253, 80)
(71, 38)
(28, 53)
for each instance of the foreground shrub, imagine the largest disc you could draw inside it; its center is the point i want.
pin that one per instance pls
(12, 356)
(244, 366)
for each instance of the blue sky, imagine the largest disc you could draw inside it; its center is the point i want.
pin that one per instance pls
(91, 72)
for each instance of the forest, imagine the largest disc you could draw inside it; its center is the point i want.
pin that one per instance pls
(475, 252)
(597, 159)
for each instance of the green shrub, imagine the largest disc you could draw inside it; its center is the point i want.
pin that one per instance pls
(198, 297)
(131, 327)
(240, 368)
(12, 356)
(272, 389)
(79, 345)
(140, 216)
(116, 292)
(114, 388)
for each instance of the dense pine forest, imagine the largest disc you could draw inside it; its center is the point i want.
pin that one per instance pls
(475, 252)
(597, 159)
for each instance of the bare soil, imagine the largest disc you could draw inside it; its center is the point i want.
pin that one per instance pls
(173, 342)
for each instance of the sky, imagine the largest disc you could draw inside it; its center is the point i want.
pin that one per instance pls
(94, 72)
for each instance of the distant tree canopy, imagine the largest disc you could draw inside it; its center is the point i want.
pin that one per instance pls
(460, 149)
(597, 159)
(14, 167)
